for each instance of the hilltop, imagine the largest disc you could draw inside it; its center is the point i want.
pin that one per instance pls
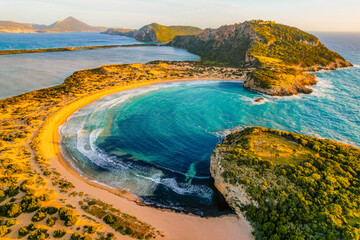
(290, 186)
(279, 54)
(155, 32)
(69, 24)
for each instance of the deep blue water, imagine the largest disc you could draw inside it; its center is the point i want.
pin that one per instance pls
(58, 40)
(156, 141)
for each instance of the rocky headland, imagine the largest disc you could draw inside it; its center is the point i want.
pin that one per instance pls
(281, 56)
(290, 186)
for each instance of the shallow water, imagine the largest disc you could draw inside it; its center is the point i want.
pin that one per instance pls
(26, 72)
(156, 141)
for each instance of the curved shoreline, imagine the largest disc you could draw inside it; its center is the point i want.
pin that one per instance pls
(186, 224)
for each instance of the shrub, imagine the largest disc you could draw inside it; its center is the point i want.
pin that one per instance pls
(38, 216)
(51, 221)
(11, 222)
(4, 230)
(90, 229)
(75, 236)
(110, 218)
(40, 234)
(51, 210)
(68, 216)
(14, 210)
(59, 233)
(13, 190)
(30, 204)
(23, 231)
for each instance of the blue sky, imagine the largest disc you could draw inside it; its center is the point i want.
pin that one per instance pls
(310, 15)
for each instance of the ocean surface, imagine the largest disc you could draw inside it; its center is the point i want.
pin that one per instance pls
(13, 41)
(156, 141)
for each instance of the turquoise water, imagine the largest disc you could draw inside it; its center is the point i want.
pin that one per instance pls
(156, 141)
(56, 40)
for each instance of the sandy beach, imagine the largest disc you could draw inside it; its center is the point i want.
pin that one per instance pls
(173, 225)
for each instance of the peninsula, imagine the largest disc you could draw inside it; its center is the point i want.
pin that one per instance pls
(42, 195)
(290, 186)
(280, 55)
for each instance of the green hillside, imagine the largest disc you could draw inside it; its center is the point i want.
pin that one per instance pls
(167, 33)
(301, 187)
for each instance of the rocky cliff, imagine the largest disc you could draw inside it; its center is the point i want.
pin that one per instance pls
(279, 54)
(155, 32)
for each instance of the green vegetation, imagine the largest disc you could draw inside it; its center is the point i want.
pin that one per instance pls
(39, 215)
(68, 216)
(4, 230)
(277, 54)
(59, 233)
(51, 221)
(290, 45)
(121, 222)
(166, 34)
(300, 187)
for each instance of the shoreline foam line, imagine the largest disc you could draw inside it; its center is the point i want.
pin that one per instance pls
(187, 226)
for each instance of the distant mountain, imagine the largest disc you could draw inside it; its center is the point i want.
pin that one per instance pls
(155, 32)
(9, 26)
(278, 53)
(70, 24)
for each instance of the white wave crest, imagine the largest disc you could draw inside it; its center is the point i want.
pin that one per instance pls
(188, 189)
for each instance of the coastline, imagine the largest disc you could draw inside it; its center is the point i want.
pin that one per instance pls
(187, 226)
(70, 49)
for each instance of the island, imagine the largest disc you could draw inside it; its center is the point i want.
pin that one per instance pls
(280, 56)
(155, 32)
(290, 186)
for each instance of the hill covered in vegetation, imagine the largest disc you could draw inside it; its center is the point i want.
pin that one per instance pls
(290, 186)
(155, 32)
(278, 53)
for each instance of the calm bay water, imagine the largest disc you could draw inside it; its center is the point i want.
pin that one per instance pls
(156, 141)
(57, 40)
(26, 72)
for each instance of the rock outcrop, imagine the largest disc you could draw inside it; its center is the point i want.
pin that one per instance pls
(281, 55)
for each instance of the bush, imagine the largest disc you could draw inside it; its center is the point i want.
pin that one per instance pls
(51, 221)
(14, 210)
(23, 231)
(38, 216)
(11, 222)
(51, 210)
(40, 234)
(68, 216)
(30, 204)
(4, 230)
(59, 233)
(75, 236)
(110, 218)
(90, 229)
(13, 190)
